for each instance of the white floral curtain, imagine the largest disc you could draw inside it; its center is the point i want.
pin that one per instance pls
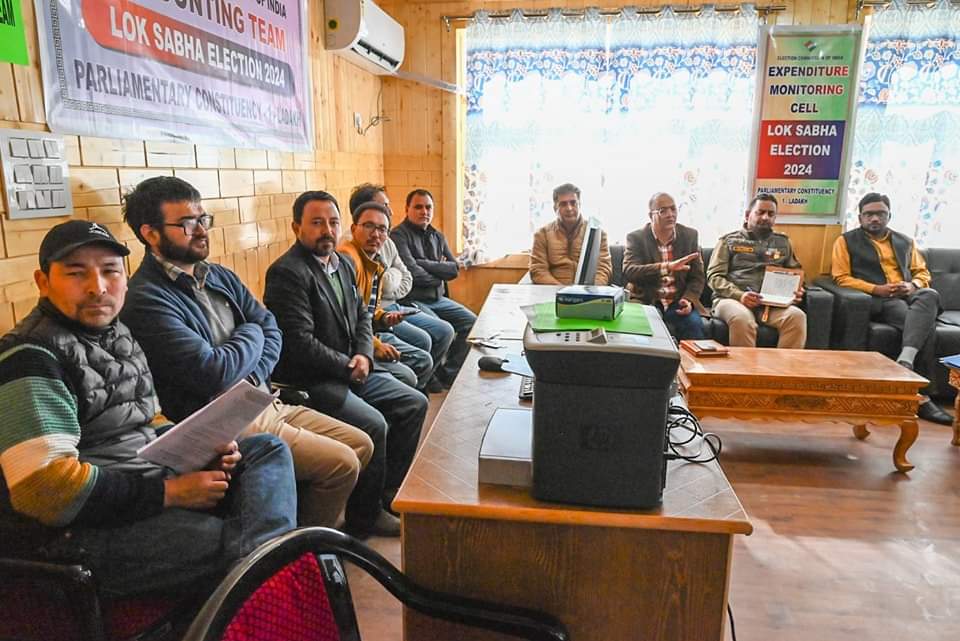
(907, 135)
(620, 106)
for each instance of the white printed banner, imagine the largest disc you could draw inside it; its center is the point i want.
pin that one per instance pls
(232, 73)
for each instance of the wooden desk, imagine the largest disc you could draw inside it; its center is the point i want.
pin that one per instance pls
(607, 574)
(501, 311)
(806, 385)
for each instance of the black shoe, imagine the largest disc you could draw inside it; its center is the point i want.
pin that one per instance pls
(386, 525)
(930, 411)
(435, 386)
(909, 366)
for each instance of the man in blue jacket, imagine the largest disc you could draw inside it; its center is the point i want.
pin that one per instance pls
(203, 331)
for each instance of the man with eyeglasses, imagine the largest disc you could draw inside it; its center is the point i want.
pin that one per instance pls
(556, 245)
(737, 268)
(202, 331)
(369, 231)
(663, 268)
(328, 353)
(888, 266)
(424, 331)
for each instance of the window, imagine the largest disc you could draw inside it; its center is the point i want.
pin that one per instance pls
(622, 106)
(907, 134)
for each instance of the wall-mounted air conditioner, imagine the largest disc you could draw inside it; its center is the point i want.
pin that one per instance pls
(365, 34)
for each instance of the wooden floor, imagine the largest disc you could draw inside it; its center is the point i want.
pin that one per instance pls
(843, 547)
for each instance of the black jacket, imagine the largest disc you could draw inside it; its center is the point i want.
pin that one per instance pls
(428, 257)
(319, 339)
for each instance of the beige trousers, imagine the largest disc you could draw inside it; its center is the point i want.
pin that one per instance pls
(790, 322)
(327, 456)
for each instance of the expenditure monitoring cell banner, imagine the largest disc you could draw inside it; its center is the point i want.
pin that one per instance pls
(231, 73)
(807, 91)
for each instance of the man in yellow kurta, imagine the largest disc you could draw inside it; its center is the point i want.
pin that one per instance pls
(887, 265)
(556, 245)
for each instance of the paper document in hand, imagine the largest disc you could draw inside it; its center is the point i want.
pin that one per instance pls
(193, 442)
(780, 285)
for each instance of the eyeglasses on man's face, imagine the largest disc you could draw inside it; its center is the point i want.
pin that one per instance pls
(371, 228)
(189, 225)
(662, 211)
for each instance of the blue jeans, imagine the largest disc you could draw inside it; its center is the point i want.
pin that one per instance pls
(462, 320)
(425, 331)
(416, 361)
(392, 414)
(180, 548)
(683, 327)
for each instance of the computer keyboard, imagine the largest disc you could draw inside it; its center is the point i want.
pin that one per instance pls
(526, 388)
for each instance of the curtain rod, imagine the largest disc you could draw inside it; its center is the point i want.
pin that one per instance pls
(573, 13)
(864, 4)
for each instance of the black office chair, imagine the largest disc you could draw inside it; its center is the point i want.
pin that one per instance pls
(294, 588)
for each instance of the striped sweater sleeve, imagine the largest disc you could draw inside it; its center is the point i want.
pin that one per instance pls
(39, 435)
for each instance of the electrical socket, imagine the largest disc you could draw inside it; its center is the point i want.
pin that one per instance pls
(358, 121)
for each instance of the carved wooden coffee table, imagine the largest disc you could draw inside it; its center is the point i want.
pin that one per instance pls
(807, 385)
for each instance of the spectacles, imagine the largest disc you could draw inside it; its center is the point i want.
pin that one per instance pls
(660, 211)
(370, 228)
(189, 225)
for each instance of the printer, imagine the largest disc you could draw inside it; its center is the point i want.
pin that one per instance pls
(599, 414)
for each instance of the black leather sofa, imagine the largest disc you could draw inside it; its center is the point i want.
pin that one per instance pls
(818, 303)
(853, 329)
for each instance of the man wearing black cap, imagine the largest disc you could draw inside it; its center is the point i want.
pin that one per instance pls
(78, 404)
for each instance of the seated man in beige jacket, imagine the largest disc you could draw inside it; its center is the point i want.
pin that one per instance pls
(556, 245)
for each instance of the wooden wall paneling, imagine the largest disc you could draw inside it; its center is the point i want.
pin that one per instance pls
(206, 181)
(130, 178)
(251, 158)
(170, 154)
(225, 211)
(239, 238)
(137, 251)
(29, 79)
(216, 157)
(236, 182)
(105, 214)
(8, 98)
(23, 307)
(216, 242)
(279, 159)
(294, 181)
(280, 207)
(112, 152)
(94, 186)
(267, 181)
(14, 270)
(71, 150)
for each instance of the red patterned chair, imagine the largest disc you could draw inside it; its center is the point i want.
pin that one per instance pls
(44, 601)
(294, 588)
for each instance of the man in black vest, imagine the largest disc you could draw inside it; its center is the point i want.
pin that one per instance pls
(78, 404)
(887, 265)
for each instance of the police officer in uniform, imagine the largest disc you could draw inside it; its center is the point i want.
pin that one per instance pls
(736, 272)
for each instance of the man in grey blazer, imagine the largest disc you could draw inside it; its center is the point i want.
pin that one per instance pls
(662, 267)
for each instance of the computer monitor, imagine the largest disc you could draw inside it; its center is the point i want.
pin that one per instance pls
(589, 255)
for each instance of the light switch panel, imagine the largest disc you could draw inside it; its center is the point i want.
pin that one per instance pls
(36, 177)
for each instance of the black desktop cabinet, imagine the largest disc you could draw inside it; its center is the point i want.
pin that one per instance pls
(599, 440)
